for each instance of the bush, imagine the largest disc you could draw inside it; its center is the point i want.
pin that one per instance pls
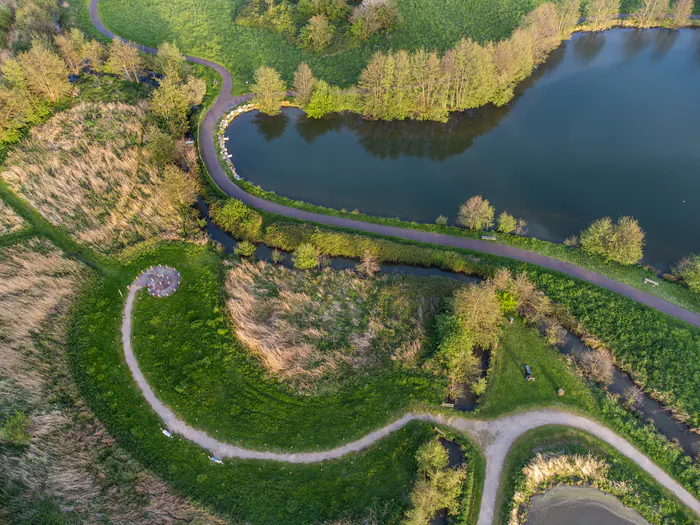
(305, 257)
(15, 429)
(621, 242)
(237, 218)
(688, 271)
(317, 34)
(244, 249)
(476, 214)
(441, 220)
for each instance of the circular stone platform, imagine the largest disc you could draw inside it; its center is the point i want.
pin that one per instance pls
(161, 281)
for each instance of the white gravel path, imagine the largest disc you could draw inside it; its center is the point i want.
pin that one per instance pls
(494, 436)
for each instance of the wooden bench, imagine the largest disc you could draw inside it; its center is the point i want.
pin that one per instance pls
(488, 237)
(649, 281)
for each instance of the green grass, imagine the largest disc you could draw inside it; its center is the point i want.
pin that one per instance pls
(206, 28)
(654, 502)
(507, 389)
(186, 349)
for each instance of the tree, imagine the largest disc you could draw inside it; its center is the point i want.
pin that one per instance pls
(317, 34)
(268, 90)
(650, 12)
(172, 101)
(169, 61)
(45, 73)
(598, 365)
(479, 311)
(72, 48)
(513, 59)
(568, 15)
(303, 84)
(542, 24)
(372, 16)
(305, 256)
(680, 12)
(179, 189)
(476, 214)
(94, 53)
(506, 223)
(621, 242)
(15, 429)
(688, 271)
(530, 303)
(471, 75)
(321, 102)
(429, 86)
(455, 350)
(124, 59)
(600, 13)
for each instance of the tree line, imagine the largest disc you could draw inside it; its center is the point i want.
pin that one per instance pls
(424, 85)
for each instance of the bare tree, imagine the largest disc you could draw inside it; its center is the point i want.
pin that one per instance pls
(568, 15)
(680, 12)
(598, 365)
(634, 398)
(650, 12)
(369, 264)
(303, 84)
(601, 13)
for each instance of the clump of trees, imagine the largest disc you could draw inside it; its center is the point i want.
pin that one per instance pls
(478, 214)
(438, 486)
(621, 242)
(237, 218)
(319, 24)
(688, 271)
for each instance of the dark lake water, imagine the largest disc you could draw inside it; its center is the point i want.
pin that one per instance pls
(610, 125)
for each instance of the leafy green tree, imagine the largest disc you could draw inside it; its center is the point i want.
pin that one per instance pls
(476, 214)
(568, 15)
(456, 352)
(170, 62)
(479, 386)
(72, 47)
(15, 429)
(268, 90)
(173, 99)
(622, 242)
(244, 249)
(124, 59)
(680, 12)
(506, 223)
(688, 270)
(479, 311)
(303, 84)
(429, 84)
(305, 256)
(317, 34)
(45, 73)
(471, 75)
(321, 102)
(541, 24)
(179, 189)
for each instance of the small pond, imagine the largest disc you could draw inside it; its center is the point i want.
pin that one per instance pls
(580, 506)
(609, 125)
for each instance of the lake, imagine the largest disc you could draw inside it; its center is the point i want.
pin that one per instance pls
(609, 125)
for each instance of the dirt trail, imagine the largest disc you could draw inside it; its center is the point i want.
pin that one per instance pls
(211, 159)
(494, 436)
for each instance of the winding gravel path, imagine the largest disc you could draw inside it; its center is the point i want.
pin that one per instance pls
(211, 159)
(494, 436)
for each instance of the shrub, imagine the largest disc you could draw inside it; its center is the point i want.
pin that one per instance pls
(441, 220)
(244, 249)
(237, 218)
(15, 429)
(598, 365)
(571, 241)
(621, 242)
(305, 256)
(479, 386)
(455, 351)
(476, 214)
(479, 311)
(688, 271)
(506, 223)
(317, 34)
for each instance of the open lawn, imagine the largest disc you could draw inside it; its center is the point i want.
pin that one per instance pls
(507, 389)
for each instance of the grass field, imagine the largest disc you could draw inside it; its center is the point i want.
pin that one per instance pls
(640, 491)
(507, 389)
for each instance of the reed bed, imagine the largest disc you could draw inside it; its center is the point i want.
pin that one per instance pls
(89, 170)
(308, 327)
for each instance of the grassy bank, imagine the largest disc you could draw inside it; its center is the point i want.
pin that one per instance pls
(641, 492)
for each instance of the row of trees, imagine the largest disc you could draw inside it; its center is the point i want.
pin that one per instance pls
(602, 14)
(478, 214)
(316, 24)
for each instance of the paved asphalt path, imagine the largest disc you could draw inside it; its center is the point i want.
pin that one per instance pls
(494, 436)
(208, 152)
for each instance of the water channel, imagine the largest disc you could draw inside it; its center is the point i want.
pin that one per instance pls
(609, 125)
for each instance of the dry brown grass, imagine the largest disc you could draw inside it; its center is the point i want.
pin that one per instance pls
(311, 327)
(71, 459)
(87, 170)
(9, 220)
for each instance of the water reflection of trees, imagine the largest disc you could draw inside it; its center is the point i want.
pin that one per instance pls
(271, 127)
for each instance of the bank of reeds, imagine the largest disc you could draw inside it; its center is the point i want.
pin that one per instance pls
(90, 171)
(310, 328)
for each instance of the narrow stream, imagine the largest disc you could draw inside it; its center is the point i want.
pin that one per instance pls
(650, 410)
